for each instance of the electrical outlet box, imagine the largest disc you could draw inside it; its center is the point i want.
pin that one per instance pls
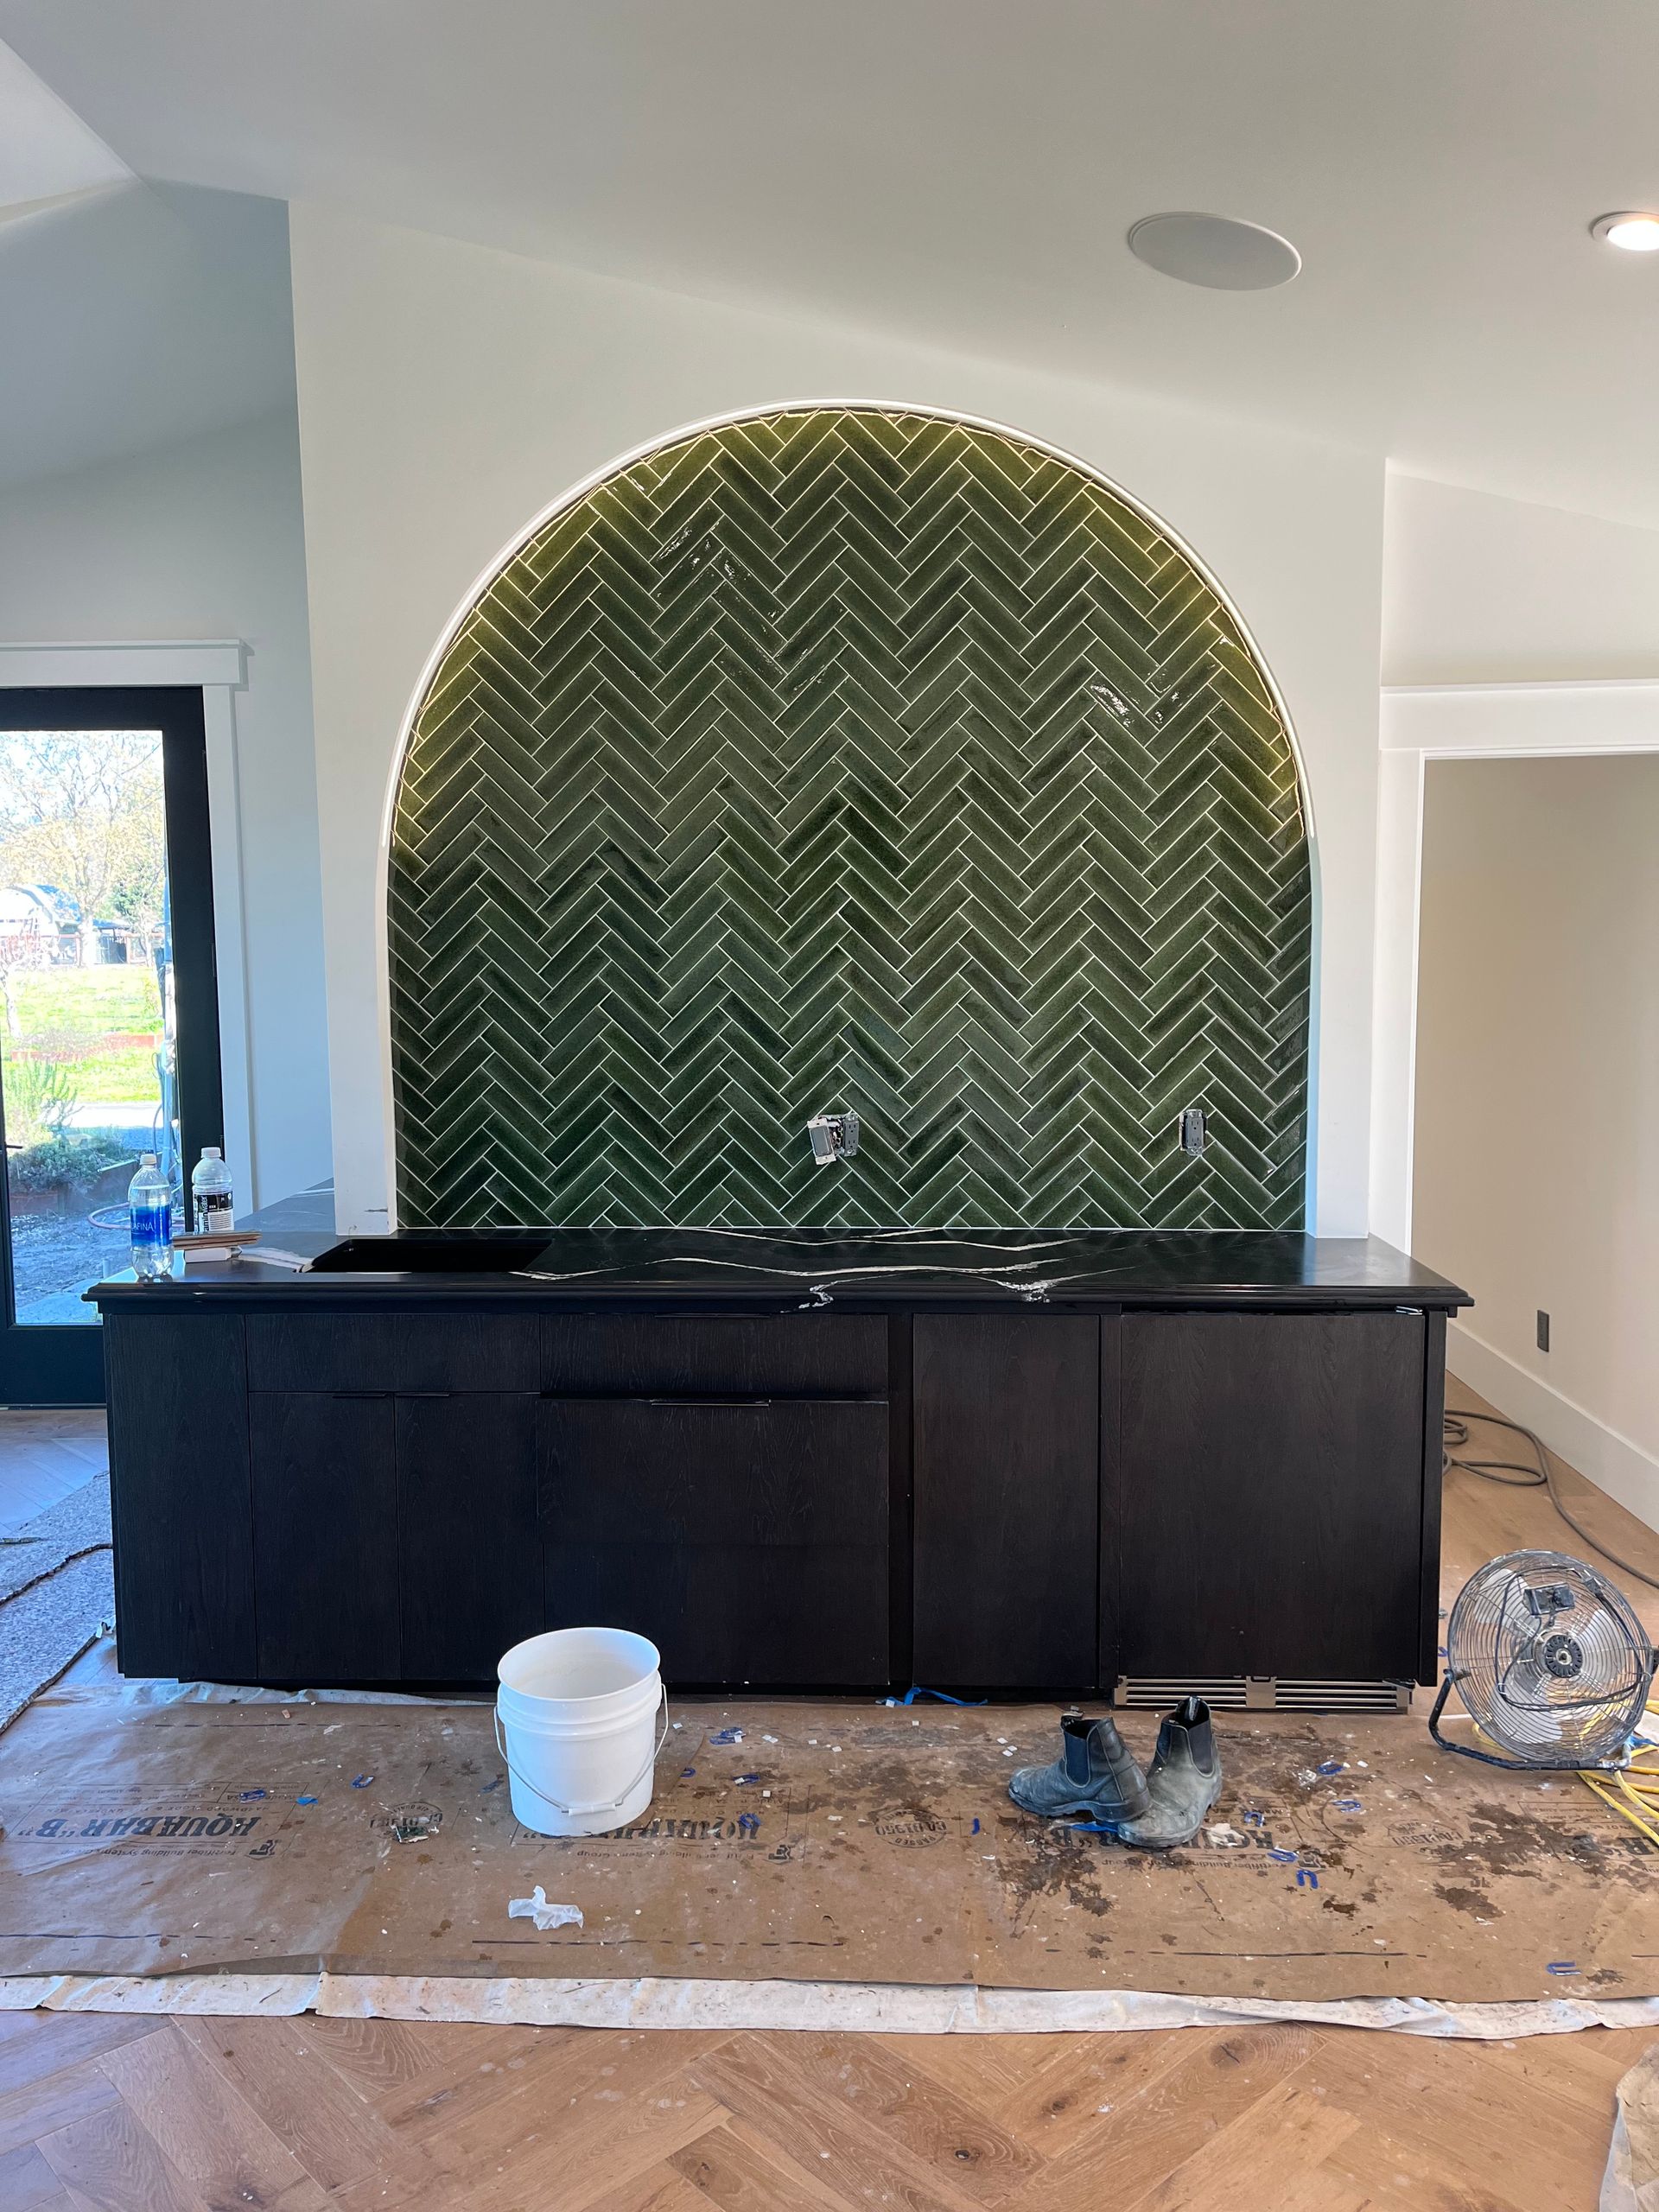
(1543, 1330)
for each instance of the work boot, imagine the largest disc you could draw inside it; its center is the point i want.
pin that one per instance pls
(1095, 1775)
(1184, 1784)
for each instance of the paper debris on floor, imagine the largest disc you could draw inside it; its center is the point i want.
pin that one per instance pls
(1631, 2184)
(874, 1846)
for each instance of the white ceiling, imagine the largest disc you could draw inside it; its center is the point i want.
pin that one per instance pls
(133, 316)
(46, 151)
(963, 171)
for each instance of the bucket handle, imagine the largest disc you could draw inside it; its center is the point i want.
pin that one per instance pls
(580, 1812)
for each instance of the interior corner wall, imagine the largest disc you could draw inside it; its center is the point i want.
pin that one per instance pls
(196, 541)
(1479, 590)
(449, 392)
(1537, 1176)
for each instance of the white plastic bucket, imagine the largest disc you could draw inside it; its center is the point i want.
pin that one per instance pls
(576, 1718)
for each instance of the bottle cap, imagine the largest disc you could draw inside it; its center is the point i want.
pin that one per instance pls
(211, 1151)
(146, 1159)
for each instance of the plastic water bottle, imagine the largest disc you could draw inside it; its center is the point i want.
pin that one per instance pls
(149, 1209)
(212, 1206)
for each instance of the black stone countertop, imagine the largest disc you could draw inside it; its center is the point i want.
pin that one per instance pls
(782, 1267)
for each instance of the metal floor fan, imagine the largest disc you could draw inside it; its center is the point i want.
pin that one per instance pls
(1551, 1662)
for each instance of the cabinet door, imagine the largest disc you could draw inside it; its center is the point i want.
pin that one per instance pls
(1270, 1499)
(1006, 1458)
(747, 1540)
(180, 1495)
(325, 1537)
(471, 1564)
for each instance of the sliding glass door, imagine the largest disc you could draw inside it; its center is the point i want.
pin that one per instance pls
(108, 1023)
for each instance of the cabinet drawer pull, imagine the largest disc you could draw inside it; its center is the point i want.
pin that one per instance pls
(709, 1398)
(359, 1394)
(426, 1394)
(708, 1402)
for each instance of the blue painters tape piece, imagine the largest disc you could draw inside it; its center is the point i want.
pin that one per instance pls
(1255, 1820)
(1561, 1966)
(742, 1778)
(249, 1796)
(918, 1690)
(1332, 1766)
(686, 1773)
(362, 1782)
(975, 1829)
(305, 1801)
(1349, 1805)
(1284, 1858)
(488, 1786)
(1307, 1879)
(749, 1823)
(727, 1736)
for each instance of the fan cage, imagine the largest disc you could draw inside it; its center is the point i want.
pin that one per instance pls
(1549, 1659)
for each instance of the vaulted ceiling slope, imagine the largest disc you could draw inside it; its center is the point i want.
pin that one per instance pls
(963, 171)
(136, 315)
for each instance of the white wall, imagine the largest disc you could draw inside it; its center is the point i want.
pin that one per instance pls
(1536, 1179)
(1479, 589)
(205, 540)
(448, 392)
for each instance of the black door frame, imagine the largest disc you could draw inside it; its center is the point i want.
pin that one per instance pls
(63, 1365)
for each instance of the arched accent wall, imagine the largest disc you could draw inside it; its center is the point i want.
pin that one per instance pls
(848, 758)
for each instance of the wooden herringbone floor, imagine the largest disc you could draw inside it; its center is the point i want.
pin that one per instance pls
(137, 2115)
(104, 2112)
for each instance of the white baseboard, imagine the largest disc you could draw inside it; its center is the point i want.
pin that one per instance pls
(1613, 1462)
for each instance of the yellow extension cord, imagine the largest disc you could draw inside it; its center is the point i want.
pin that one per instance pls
(1633, 1790)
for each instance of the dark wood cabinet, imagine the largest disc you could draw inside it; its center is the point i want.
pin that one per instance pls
(1007, 1460)
(325, 1549)
(181, 1497)
(1270, 1495)
(391, 1482)
(746, 1538)
(472, 1583)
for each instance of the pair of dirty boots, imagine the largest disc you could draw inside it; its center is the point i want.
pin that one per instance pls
(1097, 1778)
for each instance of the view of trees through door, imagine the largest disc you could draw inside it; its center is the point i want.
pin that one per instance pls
(108, 1023)
(88, 1046)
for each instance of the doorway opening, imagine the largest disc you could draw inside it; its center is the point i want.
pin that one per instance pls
(1535, 1168)
(108, 1026)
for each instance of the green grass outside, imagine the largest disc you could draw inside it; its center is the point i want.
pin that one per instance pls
(63, 1004)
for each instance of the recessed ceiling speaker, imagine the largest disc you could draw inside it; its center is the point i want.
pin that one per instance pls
(1217, 250)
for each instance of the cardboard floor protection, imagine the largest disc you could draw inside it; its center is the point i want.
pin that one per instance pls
(831, 1843)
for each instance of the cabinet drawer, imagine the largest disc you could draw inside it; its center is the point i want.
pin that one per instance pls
(393, 1352)
(789, 1354)
(748, 1542)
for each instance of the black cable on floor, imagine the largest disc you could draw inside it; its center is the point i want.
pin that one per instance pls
(1515, 1474)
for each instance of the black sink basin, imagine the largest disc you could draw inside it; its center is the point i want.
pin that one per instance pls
(481, 1252)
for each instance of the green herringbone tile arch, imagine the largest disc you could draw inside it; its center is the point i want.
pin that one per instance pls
(842, 758)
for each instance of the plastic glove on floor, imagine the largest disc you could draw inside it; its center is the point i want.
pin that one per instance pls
(1184, 1782)
(1095, 1776)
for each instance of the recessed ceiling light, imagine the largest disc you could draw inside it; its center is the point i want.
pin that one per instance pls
(1632, 231)
(1214, 250)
